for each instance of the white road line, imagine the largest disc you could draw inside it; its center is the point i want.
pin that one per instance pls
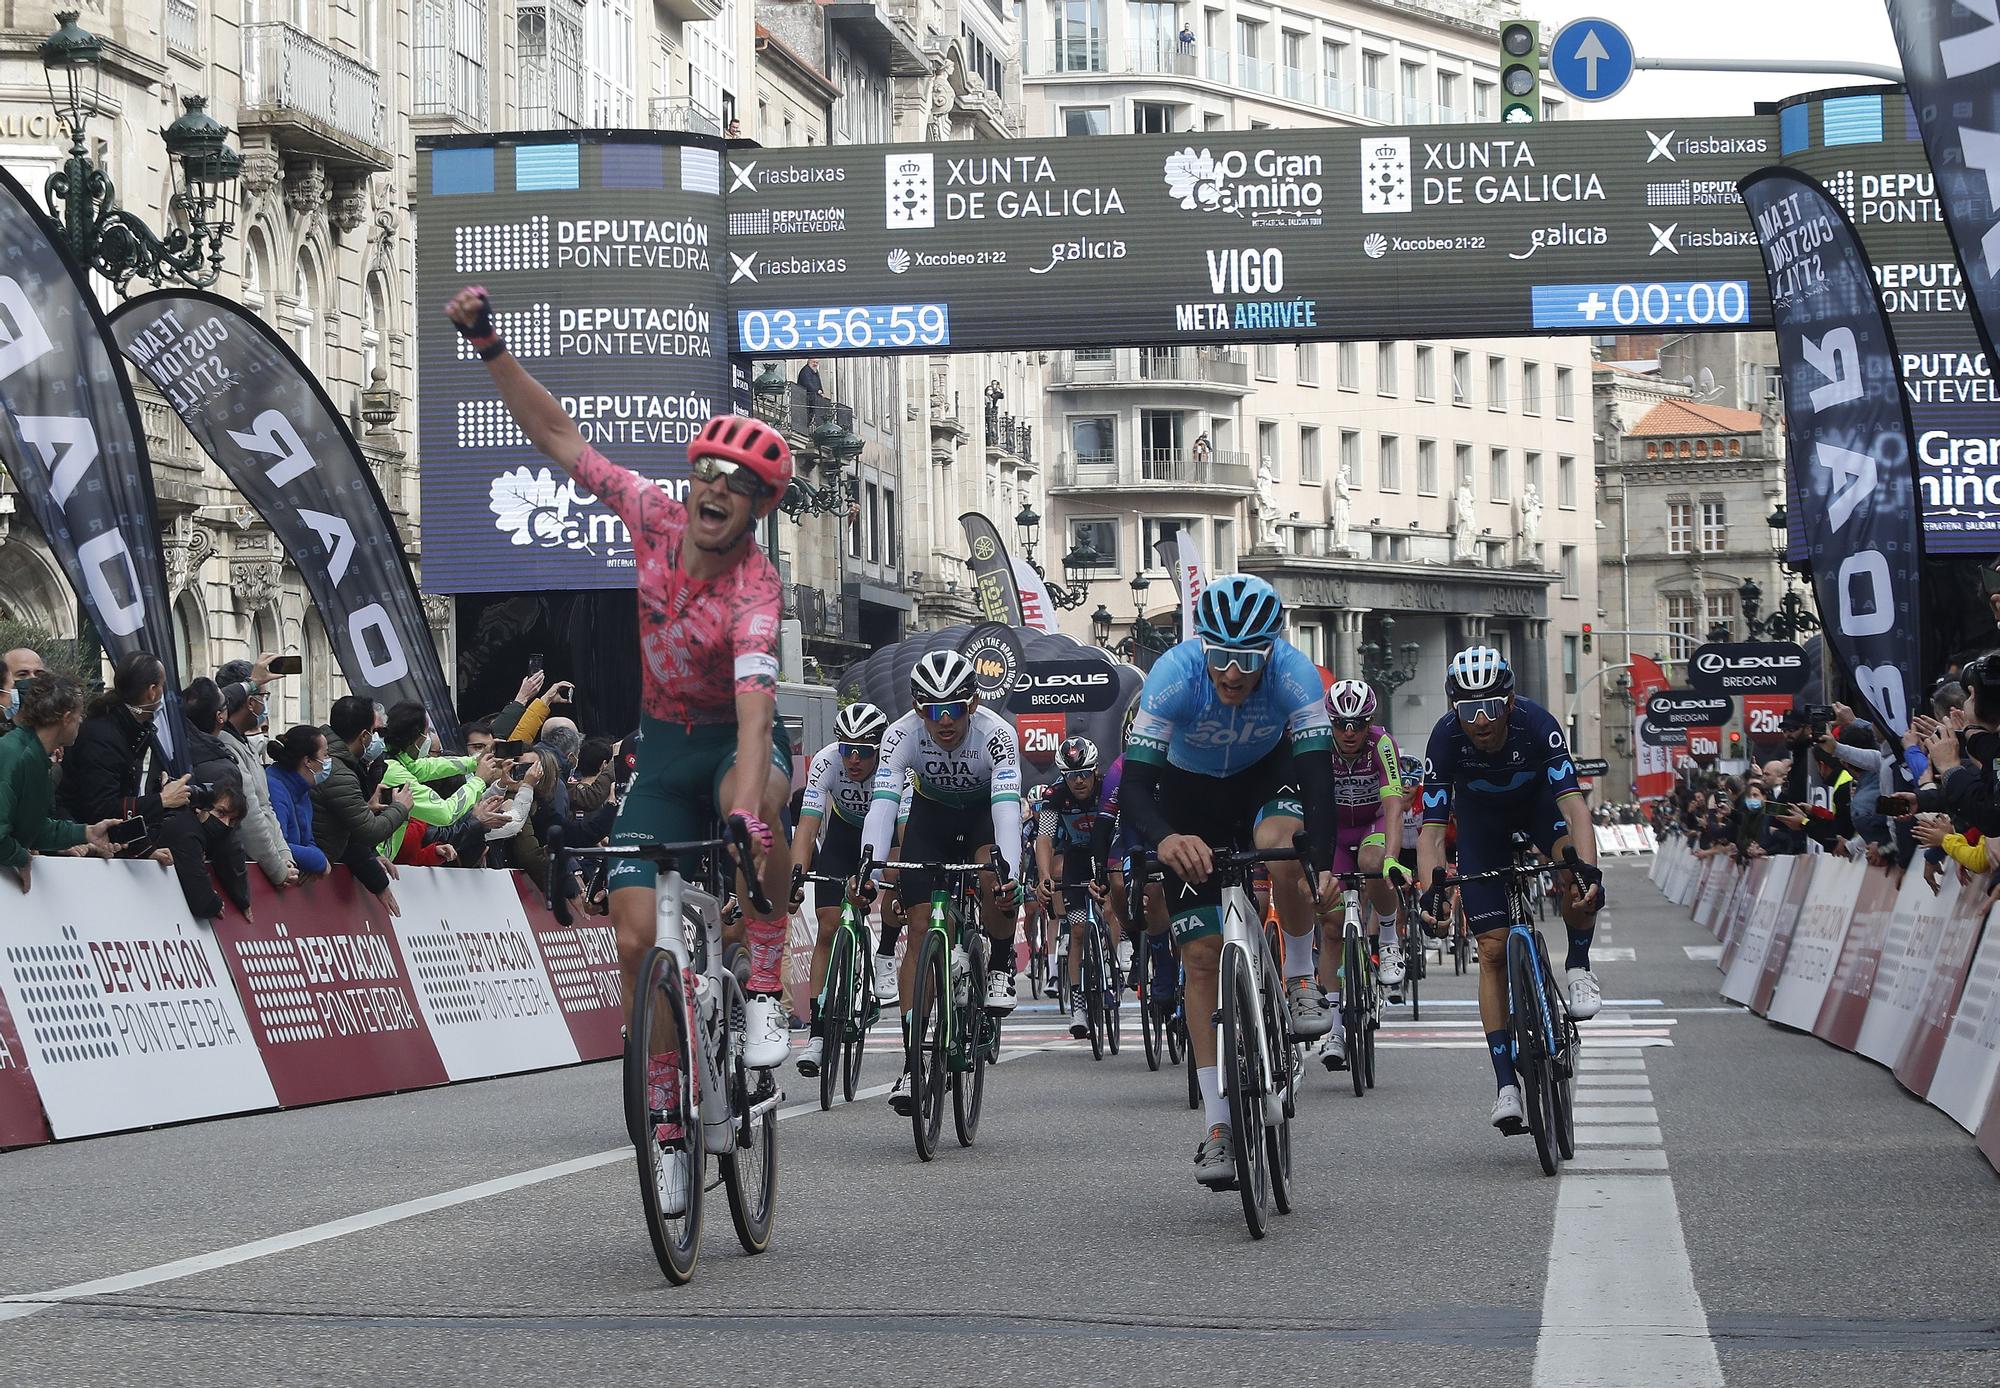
(1710, 953)
(1616, 1159)
(24, 1304)
(1620, 1305)
(1586, 1112)
(1601, 1064)
(1617, 1135)
(1599, 1079)
(1587, 1096)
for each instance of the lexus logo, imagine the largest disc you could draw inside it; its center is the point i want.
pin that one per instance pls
(1716, 663)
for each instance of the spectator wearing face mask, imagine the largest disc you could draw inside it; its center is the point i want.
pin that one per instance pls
(412, 762)
(244, 703)
(347, 824)
(116, 768)
(299, 762)
(17, 667)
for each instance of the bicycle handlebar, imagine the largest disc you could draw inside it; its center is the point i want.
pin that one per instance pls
(735, 841)
(1507, 873)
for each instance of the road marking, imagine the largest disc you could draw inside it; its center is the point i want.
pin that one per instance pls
(1620, 1304)
(1705, 952)
(1590, 1062)
(1586, 1096)
(24, 1304)
(1589, 1114)
(1616, 1135)
(1610, 954)
(1597, 1079)
(1615, 1159)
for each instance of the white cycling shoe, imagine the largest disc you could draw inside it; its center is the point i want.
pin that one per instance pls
(809, 1058)
(1390, 965)
(670, 1182)
(1508, 1116)
(765, 1036)
(1000, 990)
(1585, 997)
(1124, 956)
(887, 985)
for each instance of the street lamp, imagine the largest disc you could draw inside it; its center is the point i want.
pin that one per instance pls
(1791, 620)
(833, 446)
(1079, 565)
(1147, 641)
(98, 233)
(1100, 625)
(1381, 668)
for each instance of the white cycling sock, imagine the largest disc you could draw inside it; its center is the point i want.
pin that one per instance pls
(1387, 925)
(1211, 1094)
(1298, 955)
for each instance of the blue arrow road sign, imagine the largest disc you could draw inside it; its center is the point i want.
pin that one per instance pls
(1591, 59)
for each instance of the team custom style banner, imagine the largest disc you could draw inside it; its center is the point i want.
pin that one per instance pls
(264, 418)
(992, 572)
(1849, 426)
(70, 434)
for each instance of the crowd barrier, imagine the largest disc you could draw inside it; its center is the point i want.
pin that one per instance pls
(1908, 977)
(1616, 839)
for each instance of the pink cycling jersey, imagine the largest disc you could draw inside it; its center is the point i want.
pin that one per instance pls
(702, 643)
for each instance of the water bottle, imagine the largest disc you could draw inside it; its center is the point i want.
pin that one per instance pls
(961, 976)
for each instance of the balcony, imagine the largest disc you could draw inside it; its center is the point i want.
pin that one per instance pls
(1215, 62)
(891, 35)
(1417, 112)
(1010, 438)
(688, 11)
(1295, 84)
(1165, 57)
(1129, 367)
(1152, 469)
(1378, 103)
(1255, 76)
(1337, 95)
(1085, 53)
(679, 113)
(312, 99)
(798, 414)
(184, 30)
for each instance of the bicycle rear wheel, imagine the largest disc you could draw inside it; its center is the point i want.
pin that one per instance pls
(1152, 1026)
(976, 1028)
(930, 1045)
(1353, 1016)
(750, 1172)
(659, 1028)
(833, 1009)
(1243, 1077)
(1091, 980)
(862, 1010)
(1114, 989)
(1531, 1062)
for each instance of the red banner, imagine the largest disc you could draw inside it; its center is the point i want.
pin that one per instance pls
(1041, 735)
(1704, 742)
(582, 960)
(1763, 715)
(327, 992)
(21, 1122)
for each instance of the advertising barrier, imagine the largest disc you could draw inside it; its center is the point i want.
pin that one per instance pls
(1963, 1085)
(1915, 931)
(1743, 961)
(1853, 982)
(1805, 972)
(582, 960)
(1782, 929)
(1939, 997)
(21, 1122)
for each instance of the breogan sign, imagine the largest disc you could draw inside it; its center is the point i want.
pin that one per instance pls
(1748, 667)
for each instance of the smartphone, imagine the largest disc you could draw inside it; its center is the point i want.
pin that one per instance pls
(508, 749)
(518, 771)
(128, 831)
(534, 662)
(287, 665)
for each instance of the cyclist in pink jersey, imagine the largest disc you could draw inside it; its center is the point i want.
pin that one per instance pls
(1368, 799)
(708, 633)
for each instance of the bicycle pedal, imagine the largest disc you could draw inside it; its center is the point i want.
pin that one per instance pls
(1512, 1127)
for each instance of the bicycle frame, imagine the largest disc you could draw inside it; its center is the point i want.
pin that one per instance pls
(944, 905)
(1242, 929)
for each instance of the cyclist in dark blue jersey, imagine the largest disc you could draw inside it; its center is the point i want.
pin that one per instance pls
(1500, 763)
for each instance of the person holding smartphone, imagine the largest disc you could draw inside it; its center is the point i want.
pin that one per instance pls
(47, 717)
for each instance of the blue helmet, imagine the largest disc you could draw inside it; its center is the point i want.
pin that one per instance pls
(1239, 610)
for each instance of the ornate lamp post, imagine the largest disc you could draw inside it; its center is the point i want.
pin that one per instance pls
(833, 448)
(1792, 619)
(1148, 639)
(1079, 565)
(99, 234)
(1388, 667)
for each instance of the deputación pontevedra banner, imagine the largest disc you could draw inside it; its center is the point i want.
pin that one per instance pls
(265, 420)
(992, 572)
(70, 434)
(1851, 456)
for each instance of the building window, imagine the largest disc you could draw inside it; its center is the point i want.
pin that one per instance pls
(1086, 120)
(1496, 383)
(1426, 373)
(1100, 537)
(1721, 609)
(1482, 101)
(1385, 368)
(1348, 358)
(1152, 118)
(1462, 459)
(1570, 658)
(1447, 92)
(1461, 378)
(1531, 388)
(1565, 393)
(1267, 447)
(1714, 528)
(1680, 620)
(1308, 355)
(1160, 531)
(1350, 456)
(1566, 481)
(1267, 361)
(1309, 454)
(1569, 588)
(449, 59)
(1680, 527)
(1080, 30)
(1093, 440)
(1500, 488)
(1427, 467)
(1389, 456)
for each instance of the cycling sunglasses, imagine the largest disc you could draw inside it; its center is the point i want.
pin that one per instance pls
(938, 713)
(735, 476)
(1472, 711)
(1246, 659)
(1352, 725)
(863, 750)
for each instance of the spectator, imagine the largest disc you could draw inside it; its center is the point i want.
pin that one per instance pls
(116, 768)
(411, 762)
(349, 825)
(1187, 38)
(814, 389)
(244, 704)
(47, 716)
(17, 667)
(299, 763)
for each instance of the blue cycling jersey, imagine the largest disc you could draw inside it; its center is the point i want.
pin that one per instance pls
(1182, 722)
(1531, 762)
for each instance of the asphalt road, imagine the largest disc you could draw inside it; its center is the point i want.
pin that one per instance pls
(1752, 1207)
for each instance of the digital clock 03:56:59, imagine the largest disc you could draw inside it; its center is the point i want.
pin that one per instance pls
(843, 328)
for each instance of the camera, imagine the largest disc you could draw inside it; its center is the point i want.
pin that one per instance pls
(201, 797)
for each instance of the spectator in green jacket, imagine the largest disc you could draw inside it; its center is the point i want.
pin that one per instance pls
(47, 715)
(411, 762)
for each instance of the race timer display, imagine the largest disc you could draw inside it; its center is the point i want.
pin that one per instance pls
(843, 329)
(1668, 304)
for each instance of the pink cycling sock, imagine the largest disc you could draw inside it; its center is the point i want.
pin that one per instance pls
(767, 955)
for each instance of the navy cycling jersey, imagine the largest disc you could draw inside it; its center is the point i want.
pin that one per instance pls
(1073, 825)
(1532, 761)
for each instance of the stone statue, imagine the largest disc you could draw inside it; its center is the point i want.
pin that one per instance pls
(1267, 509)
(1531, 522)
(942, 98)
(1464, 534)
(1343, 512)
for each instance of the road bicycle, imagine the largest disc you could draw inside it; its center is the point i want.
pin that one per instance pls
(848, 1006)
(1098, 976)
(689, 1012)
(1360, 988)
(1542, 1034)
(1155, 1013)
(953, 1035)
(1257, 1057)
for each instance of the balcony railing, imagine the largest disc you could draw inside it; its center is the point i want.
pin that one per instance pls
(1378, 104)
(183, 29)
(1144, 365)
(1015, 437)
(1168, 57)
(1216, 62)
(678, 113)
(1295, 84)
(798, 414)
(1154, 467)
(1084, 53)
(1417, 112)
(288, 72)
(1337, 95)
(1255, 75)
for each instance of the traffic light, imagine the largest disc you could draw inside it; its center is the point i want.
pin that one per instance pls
(1586, 638)
(1520, 72)
(1735, 743)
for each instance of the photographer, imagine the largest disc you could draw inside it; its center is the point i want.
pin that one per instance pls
(1962, 759)
(47, 714)
(244, 701)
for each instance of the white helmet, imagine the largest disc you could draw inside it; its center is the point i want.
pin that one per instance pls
(943, 676)
(860, 723)
(1350, 699)
(1478, 672)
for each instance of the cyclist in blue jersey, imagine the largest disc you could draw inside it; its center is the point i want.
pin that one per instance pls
(1500, 763)
(1230, 748)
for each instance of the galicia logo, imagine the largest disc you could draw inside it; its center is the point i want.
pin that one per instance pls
(912, 191)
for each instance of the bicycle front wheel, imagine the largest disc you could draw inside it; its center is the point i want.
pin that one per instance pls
(1531, 1054)
(750, 1172)
(1114, 990)
(1092, 981)
(1242, 1074)
(1152, 1026)
(976, 1028)
(862, 1006)
(930, 1044)
(668, 1137)
(1353, 1015)
(833, 1009)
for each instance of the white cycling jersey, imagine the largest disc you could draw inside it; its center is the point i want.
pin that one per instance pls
(828, 789)
(985, 768)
